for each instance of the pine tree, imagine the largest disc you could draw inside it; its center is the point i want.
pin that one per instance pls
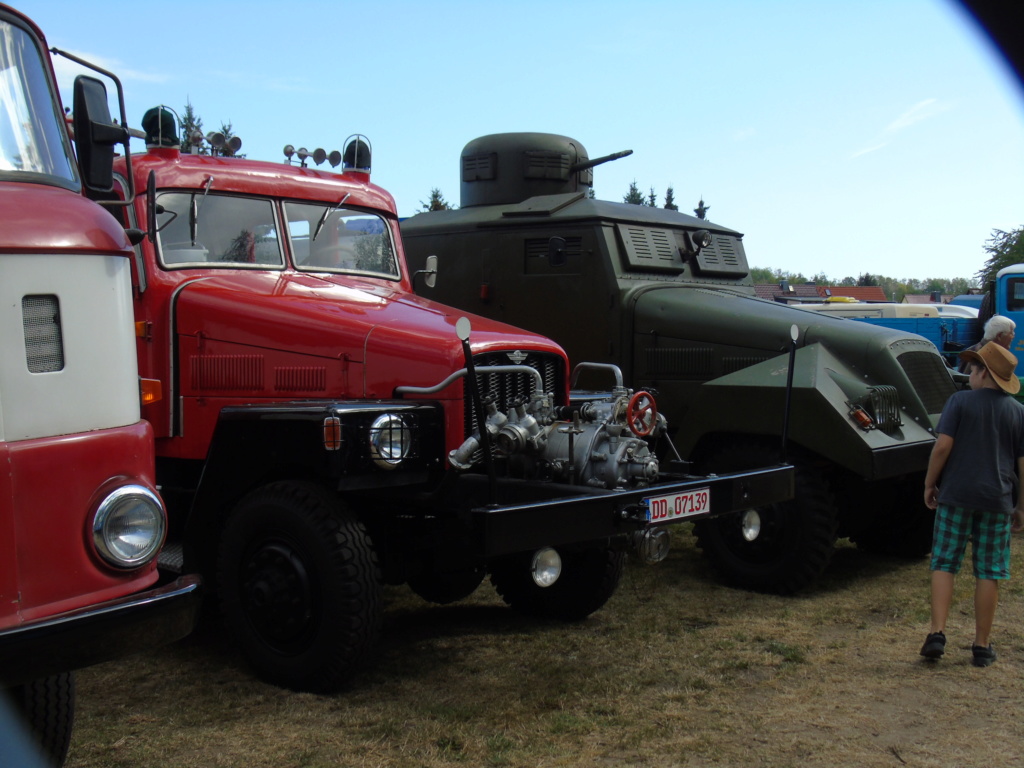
(436, 202)
(634, 196)
(229, 133)
(670, 200)
(190, 123)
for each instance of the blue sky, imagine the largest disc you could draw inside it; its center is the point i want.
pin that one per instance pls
(839, 136)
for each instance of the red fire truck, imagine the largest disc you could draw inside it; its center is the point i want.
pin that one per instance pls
(81, 522)
(324, 430)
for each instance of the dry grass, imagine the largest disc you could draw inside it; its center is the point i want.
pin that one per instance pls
(675, 671)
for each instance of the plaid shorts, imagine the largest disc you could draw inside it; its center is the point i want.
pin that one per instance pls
(989, 533)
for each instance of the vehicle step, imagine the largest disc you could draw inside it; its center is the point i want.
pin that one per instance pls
(172, 558)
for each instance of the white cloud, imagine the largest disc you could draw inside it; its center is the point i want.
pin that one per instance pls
(66, 70)
(923, 110)
(869, 150)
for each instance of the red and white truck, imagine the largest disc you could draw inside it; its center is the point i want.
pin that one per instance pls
(81, 522)
(325, 431)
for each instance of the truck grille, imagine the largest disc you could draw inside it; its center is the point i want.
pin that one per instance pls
(508, 388)
(930, 378)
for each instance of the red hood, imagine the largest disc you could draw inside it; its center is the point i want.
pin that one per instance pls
(401, 338)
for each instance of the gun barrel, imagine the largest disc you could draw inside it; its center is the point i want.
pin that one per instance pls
(600, 160)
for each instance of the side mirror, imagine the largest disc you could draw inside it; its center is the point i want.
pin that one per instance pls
(151, 207)
(430, 273)
(95, 135)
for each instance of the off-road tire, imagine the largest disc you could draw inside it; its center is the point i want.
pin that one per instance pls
(445, 588)
(589, 577)
(902, 528)
(797, 537)
(47, 706)
(299, 586)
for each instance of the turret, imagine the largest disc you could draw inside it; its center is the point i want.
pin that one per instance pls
(507, 168)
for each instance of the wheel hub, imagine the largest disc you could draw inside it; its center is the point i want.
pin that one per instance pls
(277, 593)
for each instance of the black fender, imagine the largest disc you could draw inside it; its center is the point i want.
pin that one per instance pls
(258, 444)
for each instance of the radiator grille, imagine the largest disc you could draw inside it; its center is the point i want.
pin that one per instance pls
(930, 378)
(235, 372)
(511, 387)
(44, 341)
(300, 379)
(676, 361)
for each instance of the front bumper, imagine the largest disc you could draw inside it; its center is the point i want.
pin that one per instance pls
(524, 521)
(100, 632)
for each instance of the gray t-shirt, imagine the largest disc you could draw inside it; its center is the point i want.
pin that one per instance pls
(987, 427)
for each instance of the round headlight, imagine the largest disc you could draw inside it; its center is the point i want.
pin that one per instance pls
(546, 567)
(390, 440)
(129, 526)
(751, 524)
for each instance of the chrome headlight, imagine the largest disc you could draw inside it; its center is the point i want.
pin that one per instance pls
(390, 440)
(129, 526)
(546, 567)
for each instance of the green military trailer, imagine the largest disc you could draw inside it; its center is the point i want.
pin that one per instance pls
(669, 299)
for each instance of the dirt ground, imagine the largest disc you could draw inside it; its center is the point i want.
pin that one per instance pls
(676, 670)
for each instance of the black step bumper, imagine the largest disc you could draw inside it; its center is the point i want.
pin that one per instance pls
(100, 632)
(576, 515)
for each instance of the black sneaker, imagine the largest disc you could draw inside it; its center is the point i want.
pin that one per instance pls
(983, 656)
(934, 646)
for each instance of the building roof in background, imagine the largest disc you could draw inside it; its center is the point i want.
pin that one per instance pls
(926, 298)
(788, 291)
(810, 291)
(860, 293)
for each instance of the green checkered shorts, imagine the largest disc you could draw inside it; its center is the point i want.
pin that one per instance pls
(988, 532)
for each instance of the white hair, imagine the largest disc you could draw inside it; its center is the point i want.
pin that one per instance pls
(998, 324)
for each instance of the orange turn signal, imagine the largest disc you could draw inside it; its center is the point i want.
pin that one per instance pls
(150, 390)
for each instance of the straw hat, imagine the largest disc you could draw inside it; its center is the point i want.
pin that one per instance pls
(1000, 364)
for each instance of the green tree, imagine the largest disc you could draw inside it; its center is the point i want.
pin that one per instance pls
(190, 123)
(670, 199)
(1003, 249)
(634, 196)
(961, 285)
(229, 133)
(763, 275)
(867, 279)
(652, 199)
(436, 202)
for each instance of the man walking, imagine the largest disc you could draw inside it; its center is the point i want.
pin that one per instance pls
(971, 480)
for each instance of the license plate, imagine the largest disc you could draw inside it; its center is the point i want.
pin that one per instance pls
(675, 506)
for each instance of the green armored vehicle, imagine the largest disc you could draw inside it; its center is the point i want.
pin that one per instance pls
(668, 298)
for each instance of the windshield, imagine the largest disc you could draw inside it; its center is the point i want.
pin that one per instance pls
(327, 238)
(217, 231)
(32, 140)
